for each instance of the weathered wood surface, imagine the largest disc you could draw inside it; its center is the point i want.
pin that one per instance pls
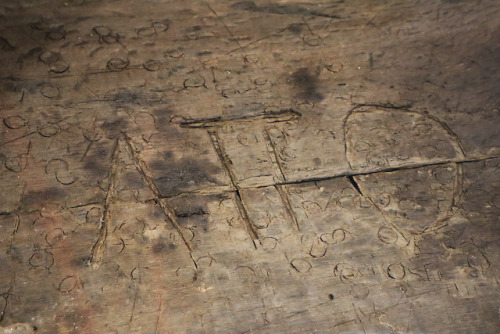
(255, 166)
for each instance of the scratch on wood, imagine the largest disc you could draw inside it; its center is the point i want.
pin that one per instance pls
(158, 317)
(7, 295)
(14, 232)
(89, 145)
(225, 25)
(280, 177)
(99, 247)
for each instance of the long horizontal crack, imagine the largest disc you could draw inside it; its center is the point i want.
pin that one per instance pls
(330, 177)
(383, 170)
(267, 116)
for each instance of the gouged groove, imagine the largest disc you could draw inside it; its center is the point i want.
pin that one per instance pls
(452, 136)
(248, 223)
(459, 184)
(275, 160)
(457, 194)
(214, 137)
(288, 206)
(455, 140)
(239, 202)
(99, 247)
(266, 116)
(169, 212)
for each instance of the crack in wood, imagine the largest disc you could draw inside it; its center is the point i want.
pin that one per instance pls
(85, 204)
(353, 182)
(458, 162)
(376, 171)
(204, 191)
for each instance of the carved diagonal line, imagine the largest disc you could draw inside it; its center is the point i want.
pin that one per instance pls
(273, 154)
(285, 199)
(168, 211)
(219, 149)
(280, 177)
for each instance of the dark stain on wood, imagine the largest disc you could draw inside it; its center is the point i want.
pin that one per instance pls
(307, 85)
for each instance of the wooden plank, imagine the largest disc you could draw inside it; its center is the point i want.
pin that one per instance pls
(249, 167)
